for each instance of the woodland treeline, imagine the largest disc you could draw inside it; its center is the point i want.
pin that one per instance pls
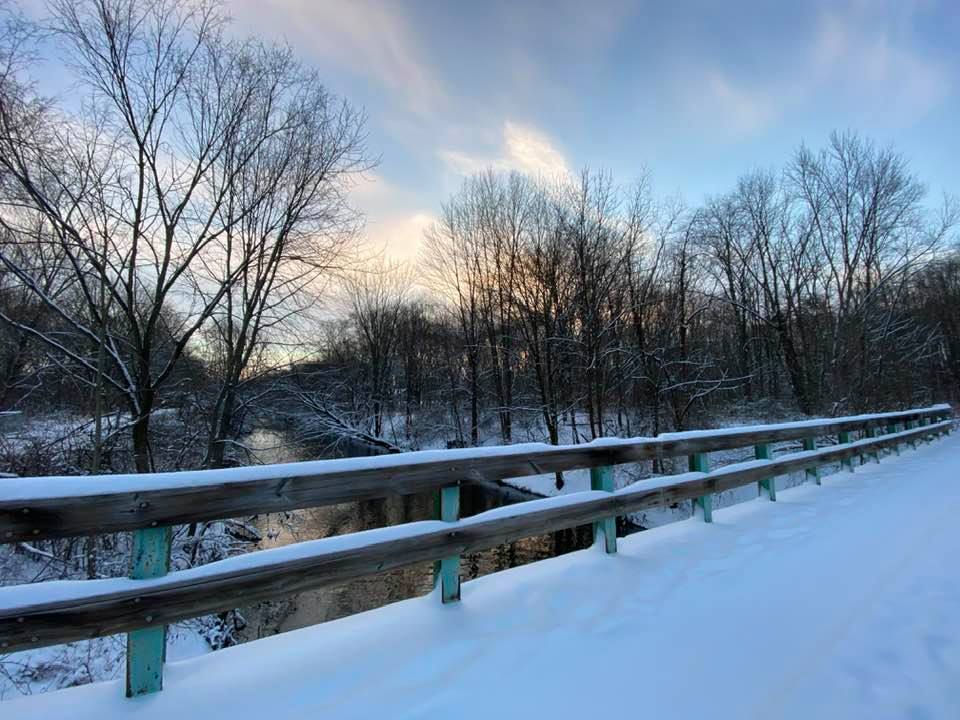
(828, 285)
(177, 238)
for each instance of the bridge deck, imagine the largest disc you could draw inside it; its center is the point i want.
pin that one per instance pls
(835, 601)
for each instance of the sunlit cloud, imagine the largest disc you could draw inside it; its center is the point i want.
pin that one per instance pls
(394, 226)
(399, 237)
(523, 148)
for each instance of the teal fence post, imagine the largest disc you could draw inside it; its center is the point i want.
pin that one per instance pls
(812, 472)
(891, 429)
(844, 438)
(147, 647)
(872, 433)
(762, 452)
(601, 478)
(447, 570)
(698, 462)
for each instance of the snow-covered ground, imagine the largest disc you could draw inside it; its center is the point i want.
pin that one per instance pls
(836, 601)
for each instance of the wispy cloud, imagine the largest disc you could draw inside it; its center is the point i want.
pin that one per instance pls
(374, 39)
(736, 108)
(861, 51)
(577, 25)
(523, 147)
(858, 58)
(693, 89)
(394, 224)
(400, 236)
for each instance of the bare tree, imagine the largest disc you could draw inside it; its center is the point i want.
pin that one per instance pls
(289, 231)
(453, 258)
(377, 300)
(143, 199)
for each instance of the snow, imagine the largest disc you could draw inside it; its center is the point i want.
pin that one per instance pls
(836, 601)
(36, 488)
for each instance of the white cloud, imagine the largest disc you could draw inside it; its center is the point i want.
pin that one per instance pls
(395, 219)
(372, 38)
(859, 60)
(463, 163)
(735, 107)
(523, 148)
(574, 24)
(399, 236)
(863, 55)
(532, 151)
(395, 222)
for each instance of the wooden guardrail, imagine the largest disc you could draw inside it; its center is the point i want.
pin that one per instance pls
(34, 616)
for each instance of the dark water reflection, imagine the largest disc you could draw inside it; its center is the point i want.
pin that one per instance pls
(371, 592)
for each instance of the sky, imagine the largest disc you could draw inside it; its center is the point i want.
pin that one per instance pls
(695, 93)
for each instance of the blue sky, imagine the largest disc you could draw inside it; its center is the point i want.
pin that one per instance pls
(696, 92)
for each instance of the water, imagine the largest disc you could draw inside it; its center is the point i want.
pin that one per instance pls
(374, 591)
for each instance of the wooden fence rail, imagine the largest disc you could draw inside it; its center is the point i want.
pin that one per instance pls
(41, 508)
(76, 610)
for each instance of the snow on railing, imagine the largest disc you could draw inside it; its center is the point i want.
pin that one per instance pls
(143, 605)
